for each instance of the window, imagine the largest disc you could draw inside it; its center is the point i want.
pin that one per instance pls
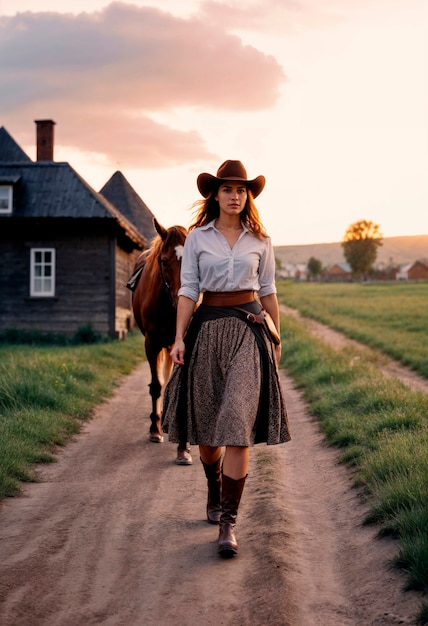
(6, 197)
(42, 275)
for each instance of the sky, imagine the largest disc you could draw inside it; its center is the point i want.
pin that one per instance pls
(328, 99)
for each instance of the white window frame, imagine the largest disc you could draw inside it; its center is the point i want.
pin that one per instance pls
(6, 193)
(42, 273)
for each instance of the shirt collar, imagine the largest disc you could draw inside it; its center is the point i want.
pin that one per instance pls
(210, 225)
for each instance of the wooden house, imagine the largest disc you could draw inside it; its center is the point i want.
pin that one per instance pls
(121, 195)
(66, 251)
(418, 271)
(339, 272)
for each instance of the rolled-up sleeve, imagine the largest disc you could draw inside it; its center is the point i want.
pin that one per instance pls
(267, 270)
(190, 269)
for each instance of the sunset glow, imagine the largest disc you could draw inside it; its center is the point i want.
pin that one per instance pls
(326, 98)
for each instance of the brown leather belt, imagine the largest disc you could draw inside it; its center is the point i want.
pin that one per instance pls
(228, 298)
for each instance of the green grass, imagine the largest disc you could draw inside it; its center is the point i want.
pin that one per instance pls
(381, 429)
(390, 317)
(46, 393)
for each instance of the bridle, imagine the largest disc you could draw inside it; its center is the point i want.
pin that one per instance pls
(178, 252)
(166, 285)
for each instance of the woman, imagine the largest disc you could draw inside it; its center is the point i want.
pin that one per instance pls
(225, 394)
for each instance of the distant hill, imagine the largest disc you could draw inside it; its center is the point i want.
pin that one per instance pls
(395, 250)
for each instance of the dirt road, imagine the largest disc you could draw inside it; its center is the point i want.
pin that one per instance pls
(337, 340)
(114, 534)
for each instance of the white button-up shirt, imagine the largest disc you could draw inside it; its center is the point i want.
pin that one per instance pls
(209, 264)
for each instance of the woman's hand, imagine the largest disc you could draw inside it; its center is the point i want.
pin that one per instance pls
(177, 352)
(185, 309)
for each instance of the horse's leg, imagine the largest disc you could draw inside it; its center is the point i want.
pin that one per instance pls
(152, 353)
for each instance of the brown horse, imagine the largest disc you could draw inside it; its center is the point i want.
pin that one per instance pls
(155, 309)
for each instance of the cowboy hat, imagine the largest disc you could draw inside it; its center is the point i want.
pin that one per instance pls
(229, 170)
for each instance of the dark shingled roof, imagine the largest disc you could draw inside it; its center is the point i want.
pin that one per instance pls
(119, 192)
(10, 152)
(55, 190)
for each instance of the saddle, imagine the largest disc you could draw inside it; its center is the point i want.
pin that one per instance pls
(138, 270)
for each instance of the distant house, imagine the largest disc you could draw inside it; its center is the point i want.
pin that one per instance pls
(301, 272)
(297, 271)
(403, 271)
(339, 272)
(285, 271)
(66, 251)
(417, 270)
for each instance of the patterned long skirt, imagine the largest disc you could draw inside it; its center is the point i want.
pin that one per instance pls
(222, 394)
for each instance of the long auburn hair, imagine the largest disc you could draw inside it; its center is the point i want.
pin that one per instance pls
(208, 209)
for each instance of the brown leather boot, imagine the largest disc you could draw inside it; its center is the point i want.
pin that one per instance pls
(231, 497)
(213, 474)
(183, 455)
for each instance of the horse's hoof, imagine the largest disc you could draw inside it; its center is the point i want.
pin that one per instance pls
(155, 438)
(183, 457)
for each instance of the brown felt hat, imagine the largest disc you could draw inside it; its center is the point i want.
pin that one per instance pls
(229, 170)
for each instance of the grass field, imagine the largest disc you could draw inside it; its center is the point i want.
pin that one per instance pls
(46, 393)
(391, 317)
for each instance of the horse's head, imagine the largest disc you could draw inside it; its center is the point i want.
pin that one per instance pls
(170, 257)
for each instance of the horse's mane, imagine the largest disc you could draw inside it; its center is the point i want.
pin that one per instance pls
(153, 253)
(151, 264)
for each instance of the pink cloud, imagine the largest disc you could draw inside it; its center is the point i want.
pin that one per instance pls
(104, 73)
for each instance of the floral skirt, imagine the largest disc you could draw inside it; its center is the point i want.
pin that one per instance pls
(223, 390)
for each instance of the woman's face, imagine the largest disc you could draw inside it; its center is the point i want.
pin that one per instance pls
(232, 197)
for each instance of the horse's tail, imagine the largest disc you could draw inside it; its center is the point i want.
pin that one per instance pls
(165, 365)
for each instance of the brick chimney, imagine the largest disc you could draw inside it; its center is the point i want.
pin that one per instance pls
(45, 140)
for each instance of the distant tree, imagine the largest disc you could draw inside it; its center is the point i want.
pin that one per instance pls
(360, 246)
(278, 264)
(314, 268)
